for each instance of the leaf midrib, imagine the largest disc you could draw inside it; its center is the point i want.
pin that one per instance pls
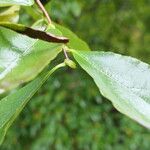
(22, 55)
(120, 84)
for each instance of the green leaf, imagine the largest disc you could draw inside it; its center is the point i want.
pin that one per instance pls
(12, 105)
(10, 14)
(74, 41)
(22, 58)
(125, 81)
(16, 2)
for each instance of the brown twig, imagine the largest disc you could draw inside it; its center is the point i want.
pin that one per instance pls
(44, 11)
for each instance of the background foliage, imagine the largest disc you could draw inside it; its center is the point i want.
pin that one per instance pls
(69, 112)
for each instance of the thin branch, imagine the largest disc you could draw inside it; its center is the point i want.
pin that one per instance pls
(44, 11)
(65, 53)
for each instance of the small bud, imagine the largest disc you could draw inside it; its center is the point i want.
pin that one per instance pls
(70, 63)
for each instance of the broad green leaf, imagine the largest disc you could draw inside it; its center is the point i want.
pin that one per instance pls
(12, 105)
(10, 14)
(125, 81)
(16, 2)
(22, 58)
(74, 41)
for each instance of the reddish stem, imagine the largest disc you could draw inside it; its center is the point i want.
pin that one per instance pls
(44, 11)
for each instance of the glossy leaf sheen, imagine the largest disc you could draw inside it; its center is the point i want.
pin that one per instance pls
(12, 105)
(22, 58)
(16, 2)
(125, 81)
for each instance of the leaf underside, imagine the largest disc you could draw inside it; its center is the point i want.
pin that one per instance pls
(34, 33)
(125, 81)
(74, 41)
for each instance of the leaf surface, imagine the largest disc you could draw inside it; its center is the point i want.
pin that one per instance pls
(12, 105)
(16, 2)
(10, 14)
(22, 58)
(125, 81)
(74, 41)
(34, 33)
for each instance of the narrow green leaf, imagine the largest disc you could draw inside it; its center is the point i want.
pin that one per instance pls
(22, 58)
(12, 105)
(10, 14)
(74, 41)
(125, 81)
(16, 2)
(34, 33)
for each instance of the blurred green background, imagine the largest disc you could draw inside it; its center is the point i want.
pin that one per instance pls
(68, 112)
